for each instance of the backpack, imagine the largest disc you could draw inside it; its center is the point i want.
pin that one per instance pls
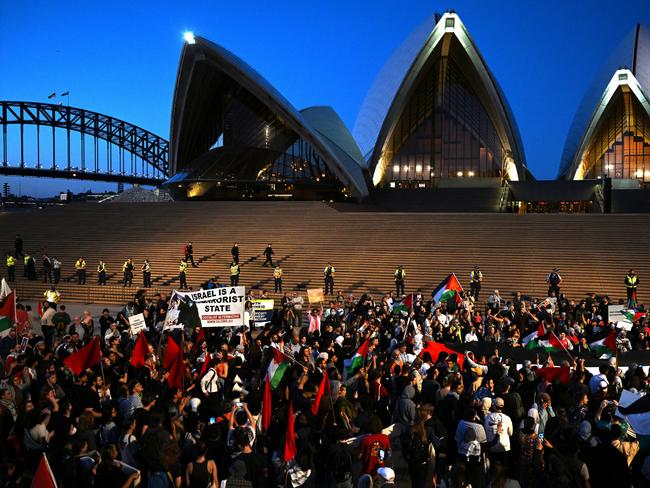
(415, 451)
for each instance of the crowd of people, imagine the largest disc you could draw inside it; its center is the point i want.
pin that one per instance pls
(407, 415)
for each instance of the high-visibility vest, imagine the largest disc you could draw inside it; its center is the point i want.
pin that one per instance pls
(277, 273)
(400, 274)
(11, 261)
(146, 267)
(26, 259)
(183, 267)
(51, 296)
(476, 276)
(329, 271)
(234, 270)
(101, 267)
(631, 280)
(80, 264)
(127, 266)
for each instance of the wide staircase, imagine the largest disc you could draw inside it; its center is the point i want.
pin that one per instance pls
(515, 252)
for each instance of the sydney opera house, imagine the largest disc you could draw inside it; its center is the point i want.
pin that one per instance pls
(435, 132)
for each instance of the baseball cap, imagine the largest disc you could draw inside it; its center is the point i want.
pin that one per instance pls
(386, 473)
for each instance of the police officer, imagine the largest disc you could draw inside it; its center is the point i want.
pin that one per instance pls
(631, 282)
(234, 273)
(475, 278)
(47, 269)
(235, 253)
(182, 277)
(30, 264)
(11, 267)
(268, 252)
(80, 266)
(127, 269)
(146, 274)
(400, 274)
(52, 297)
(26, 259)
(554, 279)
(101, 273)
(56, 269)
(328, 275)
(277, 277)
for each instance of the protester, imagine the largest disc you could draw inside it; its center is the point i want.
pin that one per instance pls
(358, 391)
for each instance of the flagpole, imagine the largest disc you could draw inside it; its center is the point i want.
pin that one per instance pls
(565, 349)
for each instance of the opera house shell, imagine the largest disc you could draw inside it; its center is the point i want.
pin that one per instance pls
(436, 113)
(234, 136)
(610, 134)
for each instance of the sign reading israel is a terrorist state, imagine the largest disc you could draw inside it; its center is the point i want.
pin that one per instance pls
(220, 307)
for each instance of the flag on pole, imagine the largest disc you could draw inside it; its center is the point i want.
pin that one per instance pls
(605, 346)
(531, 340)
(7, 308)
(266, 405)
(403, 306)
(352, 365)
(43, 477)
(86, 357)
(140, 351)
(290, 449)
(173, 362)
(65, 93)
(51, 96)
(435, 348)
(447, 289)
(277, 367)
(563, 375)
(323, 389)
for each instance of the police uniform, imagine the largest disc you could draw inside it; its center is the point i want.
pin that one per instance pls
(146, 274)
(182, 277)
(11, 268)
(101, 273)
(127, 268)
(234, 274)
(277, 277)
(400, 274)
(631, 283)
(475, 278)
(52, 296)
(328, 274)
(80, 266)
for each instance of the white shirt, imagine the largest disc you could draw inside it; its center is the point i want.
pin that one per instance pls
(491, 429)
(471, 337)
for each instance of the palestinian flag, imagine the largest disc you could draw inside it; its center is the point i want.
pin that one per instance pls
(447, 289)
(606, 345)
(352, 365)
(435, 348)
(633, 315)
(531, 340)
(277, 367)
(403, 306)
(550, 343)
(563, 374)
(7, 308)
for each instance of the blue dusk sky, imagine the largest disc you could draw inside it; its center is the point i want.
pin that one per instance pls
(120, 58)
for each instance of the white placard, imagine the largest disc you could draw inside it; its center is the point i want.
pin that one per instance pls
(137, 323)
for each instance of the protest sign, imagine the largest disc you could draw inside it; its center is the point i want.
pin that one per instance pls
(220, 307)
(137, 323)
(262, 311)
(315, 295)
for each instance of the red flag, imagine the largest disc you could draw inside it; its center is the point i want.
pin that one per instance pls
(140, 351)
(199, 338)
(290, 449)
(84, 358)
(266, 405)
(44, 478)
(563, 374)
(173, 362)
(435, 348)
(322, 389)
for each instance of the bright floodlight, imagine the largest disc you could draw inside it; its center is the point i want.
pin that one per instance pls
(189, 37)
